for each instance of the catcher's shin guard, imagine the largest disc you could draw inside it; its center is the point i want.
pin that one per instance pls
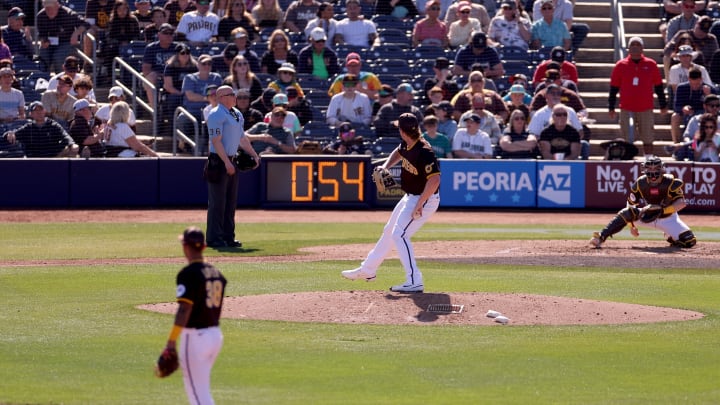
(616, 225)
(685, 240)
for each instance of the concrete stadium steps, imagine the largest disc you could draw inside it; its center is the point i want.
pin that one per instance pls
(596, 59)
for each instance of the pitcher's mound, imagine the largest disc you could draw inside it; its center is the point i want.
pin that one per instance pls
(378, 307)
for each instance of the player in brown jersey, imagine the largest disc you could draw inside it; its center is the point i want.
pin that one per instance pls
(420, 178)
(200, 292)
(655, 199)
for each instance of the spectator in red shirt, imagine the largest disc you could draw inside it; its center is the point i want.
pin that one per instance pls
(568, 71)
(635, 78)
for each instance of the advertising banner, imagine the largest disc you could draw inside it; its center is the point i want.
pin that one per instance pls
(488, 183)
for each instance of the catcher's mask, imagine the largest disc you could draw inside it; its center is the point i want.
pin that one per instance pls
(654, 168)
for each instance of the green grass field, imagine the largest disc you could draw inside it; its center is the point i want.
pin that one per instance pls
(71, 334)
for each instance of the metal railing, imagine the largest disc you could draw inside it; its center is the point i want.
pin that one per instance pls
(89, 60)
(618, 29)
(178, 133)
(137, 91)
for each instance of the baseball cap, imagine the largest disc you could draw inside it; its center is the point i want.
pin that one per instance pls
(182, 47)
(710, 98)
(517, 88)
(479, 40)
(474, 118)
(446, 106)
(636, 39)
(509, 3)
(287, 67)
(6, 71)
(545, 1)
(404, 87)
(553, 88)
(518, 76)
(318, 34)
(71, 63)
(386, 90)
(442, 63)
(352, 59)
(203, 2)
(80, 104)
(115, 91)
(230, 51)
(66, 79)
(210, 90)
(291, 92)
(204, 58)
(705, 23)
(552, 74)
(16, 12)
(344, 127)
(349, 79)
(557, 54)
(167, 29)
(464, 6)
(280, 99)
(34, 105)
(193, 236)
(685, 50)
(408, 122)
(240, 33)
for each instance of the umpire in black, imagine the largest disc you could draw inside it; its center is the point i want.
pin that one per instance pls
(225, 129)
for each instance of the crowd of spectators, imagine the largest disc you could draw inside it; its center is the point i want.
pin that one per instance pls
(313, 63)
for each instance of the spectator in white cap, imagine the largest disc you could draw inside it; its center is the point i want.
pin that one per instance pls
(286, 78)
(679, 71)
(114, 95)
(82, 133)
(636, 95)
(389, 113)
(317, 50)
(325, 20)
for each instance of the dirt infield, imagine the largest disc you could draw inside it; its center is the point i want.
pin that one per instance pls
(381, 307)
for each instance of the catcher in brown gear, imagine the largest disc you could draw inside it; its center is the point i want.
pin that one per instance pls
(654, 200)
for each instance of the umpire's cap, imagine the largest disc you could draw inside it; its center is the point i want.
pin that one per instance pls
(194, 237)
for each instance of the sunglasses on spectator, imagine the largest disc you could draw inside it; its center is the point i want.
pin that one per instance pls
(278, 115)
(465, 12)
(708, 126)
(434, 8)
(243, 97)
(547, 8)
(242, 64)
(224, 95)
(518, 119)
(688, 6)
(560, 114)
(713, 105)
(476, 80)
(184, 53)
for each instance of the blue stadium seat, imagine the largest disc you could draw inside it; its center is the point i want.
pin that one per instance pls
(423, 67)
(517, 66)
(394, 36)
(428, 52)
(514, 53)
(318, 130)
(391, 67)
(308, 81)
(394, 80)
(382, 147)
(134, 48)
(318, 98)
(386, 52)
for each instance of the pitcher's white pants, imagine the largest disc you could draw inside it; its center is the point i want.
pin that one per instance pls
(399, 229)
(198, 350)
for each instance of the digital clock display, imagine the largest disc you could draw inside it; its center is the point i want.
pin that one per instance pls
(316, 180)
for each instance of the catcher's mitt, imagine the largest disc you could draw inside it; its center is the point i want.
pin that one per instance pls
(167, 363)
(383, 179)
(244, 161)
(650, 213)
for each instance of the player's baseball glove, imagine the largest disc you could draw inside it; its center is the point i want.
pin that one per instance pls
(650, 213)
(167, 363)
(244, 161)
(383, 179)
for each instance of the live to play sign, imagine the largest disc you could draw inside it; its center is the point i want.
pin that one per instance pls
(607, 184)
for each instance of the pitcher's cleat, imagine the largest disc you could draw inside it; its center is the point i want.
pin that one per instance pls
(407, 288)
(358, 274)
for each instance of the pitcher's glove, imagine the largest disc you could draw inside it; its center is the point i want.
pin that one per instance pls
(383, 179)
(650, 213)
(167, 363)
